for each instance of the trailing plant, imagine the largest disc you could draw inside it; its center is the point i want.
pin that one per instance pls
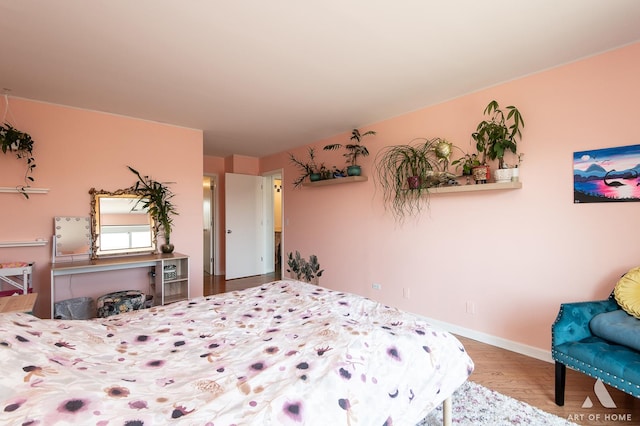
(354, 149)
(307, 168)
(398, 165)
(14, 141)
(497, 135)
(156, 198)
(302, 269)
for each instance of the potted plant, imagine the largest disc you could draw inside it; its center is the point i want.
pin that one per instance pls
(401, 172)
(498, 134)
(156, 197)
(14, 141)
(515, 171)
(304, 270)
(354, 150)
(309, 169)
(467, 162)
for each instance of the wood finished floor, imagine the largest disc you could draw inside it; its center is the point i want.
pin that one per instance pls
(518, 376)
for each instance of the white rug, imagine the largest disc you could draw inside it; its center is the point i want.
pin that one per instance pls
(476, 405)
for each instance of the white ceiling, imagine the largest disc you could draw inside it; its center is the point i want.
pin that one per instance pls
(260, 77)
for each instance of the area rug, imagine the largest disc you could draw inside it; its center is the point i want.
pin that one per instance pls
(473, 404)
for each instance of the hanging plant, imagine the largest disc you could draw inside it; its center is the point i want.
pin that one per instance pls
(20, 143)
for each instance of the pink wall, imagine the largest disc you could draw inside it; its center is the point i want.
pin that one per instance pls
(78, 149)
(515, 254)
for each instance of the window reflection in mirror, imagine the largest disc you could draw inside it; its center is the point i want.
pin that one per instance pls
(121, 224)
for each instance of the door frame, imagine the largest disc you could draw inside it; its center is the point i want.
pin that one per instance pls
(215, 237)
(272, 175)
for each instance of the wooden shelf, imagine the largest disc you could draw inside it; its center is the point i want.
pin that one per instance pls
(475, 187)
(336, 181)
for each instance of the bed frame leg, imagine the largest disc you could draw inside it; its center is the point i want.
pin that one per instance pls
(446, 412)
(561, 375)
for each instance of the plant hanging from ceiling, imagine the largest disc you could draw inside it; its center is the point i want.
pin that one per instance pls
(19, 143)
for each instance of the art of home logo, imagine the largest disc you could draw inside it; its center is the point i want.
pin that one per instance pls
(604, 397)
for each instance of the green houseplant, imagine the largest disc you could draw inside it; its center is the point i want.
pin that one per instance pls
(354, 150)
(303, 269)
(308, 169)
(13, 140)
(401, 171)
(467, 162)
(498, 134)
(156, 197)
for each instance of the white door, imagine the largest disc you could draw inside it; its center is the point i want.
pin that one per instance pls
(244, 233)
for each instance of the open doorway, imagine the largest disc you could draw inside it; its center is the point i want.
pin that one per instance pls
(209, 193)
(276, 206)
(271, 217)
(277, 225)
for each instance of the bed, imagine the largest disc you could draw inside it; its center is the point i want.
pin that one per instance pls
(283, 353)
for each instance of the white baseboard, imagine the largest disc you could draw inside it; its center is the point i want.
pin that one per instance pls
(494, 341)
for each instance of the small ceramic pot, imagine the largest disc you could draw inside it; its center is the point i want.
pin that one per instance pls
(502, 175)
(413, 182)
(354, 170)
(166, 248)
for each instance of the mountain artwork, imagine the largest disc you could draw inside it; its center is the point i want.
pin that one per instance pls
(607, 175)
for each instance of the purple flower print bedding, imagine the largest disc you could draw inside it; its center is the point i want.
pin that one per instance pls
(284, 353)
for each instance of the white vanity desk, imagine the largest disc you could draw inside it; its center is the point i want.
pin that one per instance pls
(171, 273)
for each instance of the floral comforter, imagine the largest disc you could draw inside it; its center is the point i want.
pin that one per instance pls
(284, 353)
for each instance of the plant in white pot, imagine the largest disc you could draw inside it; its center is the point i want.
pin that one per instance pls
(354, 150)
(498, 135)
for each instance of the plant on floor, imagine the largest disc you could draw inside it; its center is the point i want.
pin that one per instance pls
(354, 150)
(497, 135)
(156, 197)
(13, 140)
(303, 269)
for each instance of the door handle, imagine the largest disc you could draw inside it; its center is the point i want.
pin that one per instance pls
(228, 231)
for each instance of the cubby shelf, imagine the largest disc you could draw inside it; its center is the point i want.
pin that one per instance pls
(348, 179)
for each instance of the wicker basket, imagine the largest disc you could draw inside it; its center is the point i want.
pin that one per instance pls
(170, 272)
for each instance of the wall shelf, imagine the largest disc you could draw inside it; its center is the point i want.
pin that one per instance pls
(23, 243)
(476, 187)
(9, 189)
(336, 181)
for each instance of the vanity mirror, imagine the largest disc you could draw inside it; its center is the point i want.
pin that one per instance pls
(120, 224)
(72, 236)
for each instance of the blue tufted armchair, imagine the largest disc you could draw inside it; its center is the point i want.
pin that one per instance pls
(574, 346)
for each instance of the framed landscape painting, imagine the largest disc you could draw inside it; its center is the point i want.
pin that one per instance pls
(607, 175)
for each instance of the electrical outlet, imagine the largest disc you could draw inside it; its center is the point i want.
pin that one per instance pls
(406, 292)
(376, 286)
(471, 307)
